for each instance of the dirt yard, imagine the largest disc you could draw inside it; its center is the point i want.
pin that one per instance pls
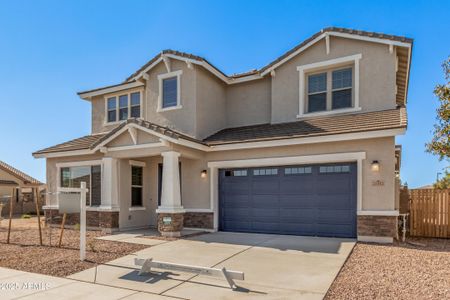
(399, 271)
(24, 252)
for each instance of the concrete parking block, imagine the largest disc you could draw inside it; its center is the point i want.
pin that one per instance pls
(154, 282)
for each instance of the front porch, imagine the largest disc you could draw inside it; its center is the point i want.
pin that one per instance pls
(138, 180)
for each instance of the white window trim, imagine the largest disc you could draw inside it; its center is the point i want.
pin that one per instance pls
(328, 64)
(128, 93)
(161, 77)
(86, 163)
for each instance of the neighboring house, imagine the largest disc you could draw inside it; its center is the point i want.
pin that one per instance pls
(22, 188)
(304, 145)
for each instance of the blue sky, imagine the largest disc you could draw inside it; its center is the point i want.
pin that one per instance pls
(49, 50)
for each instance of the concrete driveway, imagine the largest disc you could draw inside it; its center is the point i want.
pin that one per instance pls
(275, 267)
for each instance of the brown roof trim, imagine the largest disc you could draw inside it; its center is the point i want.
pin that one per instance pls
(339, 30)
(177, 53)
(27, 179)
(103, 88)
(261, 70)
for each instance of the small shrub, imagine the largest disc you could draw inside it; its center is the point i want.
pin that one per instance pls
(25, 216)
(76, 226)
(91, 246)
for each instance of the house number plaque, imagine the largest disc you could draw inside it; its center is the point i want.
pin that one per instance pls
(378, 183)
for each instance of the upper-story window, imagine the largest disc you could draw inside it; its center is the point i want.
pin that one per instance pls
(169, 91)
(330, 90)
(123, 106)
(329, 87)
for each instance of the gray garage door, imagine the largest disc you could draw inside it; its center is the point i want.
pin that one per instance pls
(316, 200)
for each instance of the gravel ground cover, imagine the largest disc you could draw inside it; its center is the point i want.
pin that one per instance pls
(24, 252)
(400, 271)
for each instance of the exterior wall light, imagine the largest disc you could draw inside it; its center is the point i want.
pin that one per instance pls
(203, 173)
(375, 166)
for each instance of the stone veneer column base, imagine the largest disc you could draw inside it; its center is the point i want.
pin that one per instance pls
(172, 228)
(378, 229)
(94, 219)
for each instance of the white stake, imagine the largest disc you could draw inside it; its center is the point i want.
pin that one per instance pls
(83, 222)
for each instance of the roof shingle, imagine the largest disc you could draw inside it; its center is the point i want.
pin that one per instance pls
(19, 174)
(360, 122)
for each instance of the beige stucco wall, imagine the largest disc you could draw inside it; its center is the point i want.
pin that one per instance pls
(211, 103)
(98, 113)
(184, 119)
(373, 197)
(196, 190)
(377, 76)
(249, 103)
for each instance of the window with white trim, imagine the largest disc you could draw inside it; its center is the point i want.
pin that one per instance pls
(330, 90)
(71, 177)
(136, 185)
(123, 106)
(329, 87)
(169, 91)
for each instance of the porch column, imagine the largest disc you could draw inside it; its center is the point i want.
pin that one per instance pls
(110, 184)
(171, 212)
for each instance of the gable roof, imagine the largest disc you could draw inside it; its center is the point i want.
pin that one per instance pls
(400, 41)
(170, 133)
(90, 142)
(18, 174)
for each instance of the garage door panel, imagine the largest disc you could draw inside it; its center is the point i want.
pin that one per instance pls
(236, 213)
(297, 185)
(265, 201)
(297, 201)
(334, 230)
(330, 187)
(235, 201)
(317, 200)
(335, 216)
(265, 186)
(236, 225)
(265, 227)
(297, 229)
(302, 215)
(261, 214)
(343, 201)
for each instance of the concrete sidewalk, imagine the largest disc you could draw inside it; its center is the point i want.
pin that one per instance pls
(24, 285)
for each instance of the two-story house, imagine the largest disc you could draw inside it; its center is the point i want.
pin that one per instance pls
(303, 146)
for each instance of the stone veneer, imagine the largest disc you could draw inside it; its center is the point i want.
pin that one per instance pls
(172, 229)
(380, 226)
(94, 219)
(199, 220)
